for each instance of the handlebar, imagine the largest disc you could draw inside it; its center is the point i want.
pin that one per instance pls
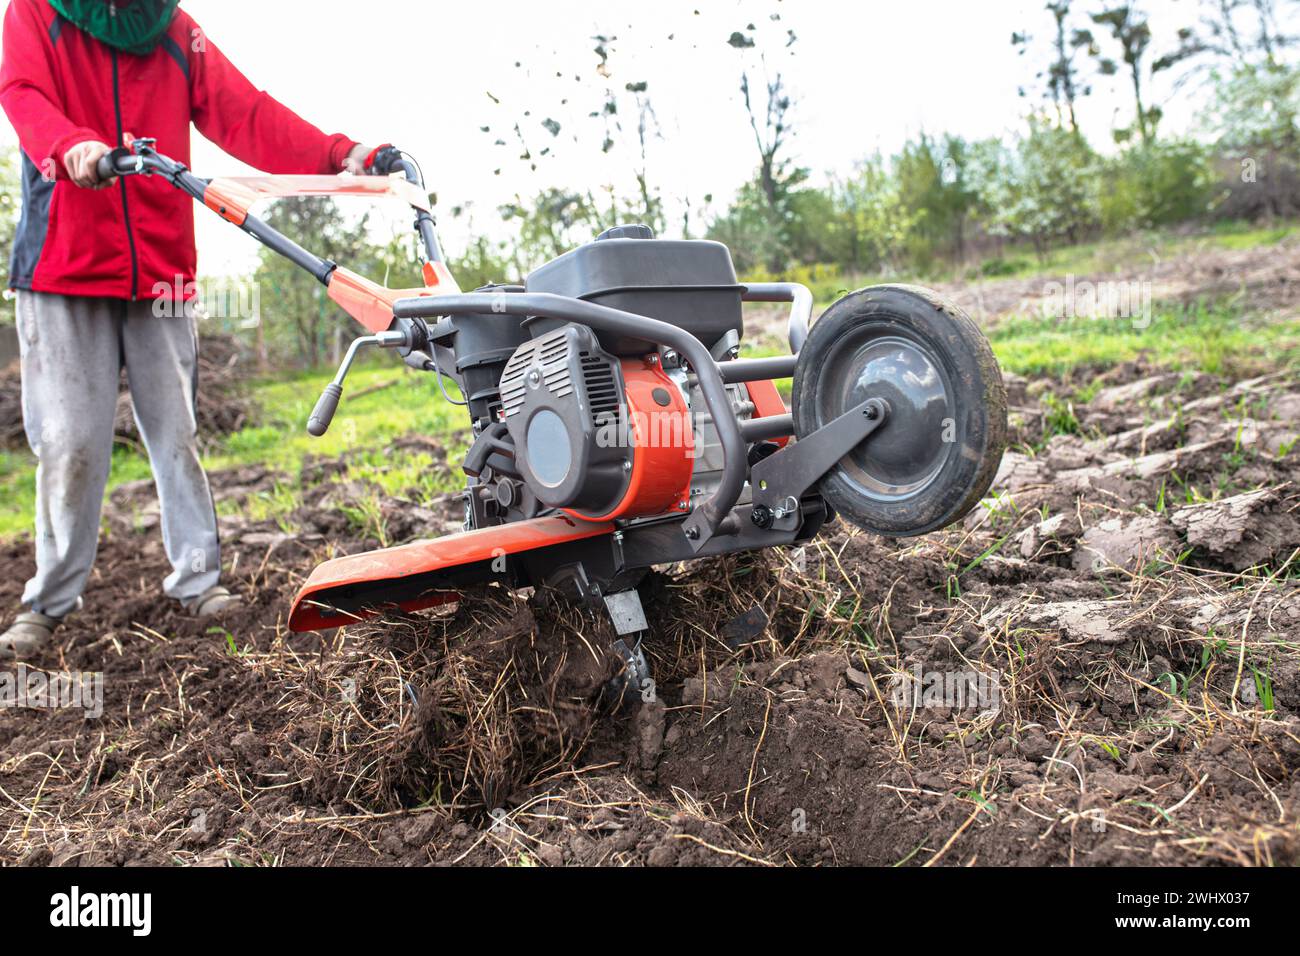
(140, 157)
(388, 159)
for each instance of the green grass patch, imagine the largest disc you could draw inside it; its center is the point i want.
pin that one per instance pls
(369, 419)
(1109, 255)
(1239, 235)
(1017, 261)
(1209, 338)
(381, 402)
(18, 485)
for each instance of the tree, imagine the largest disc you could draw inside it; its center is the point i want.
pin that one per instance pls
(770, 136)
(1231, 37)
(1254, 115)
(1048, 189)
(1244, 33)
(485, 262)
(938, 196)
(749, 227)
(551, 223)
(302, 318)
(769, 119)
(1257, 108)
(873, 222)
(1061, 81)
(1155, 184)
(1131, 29)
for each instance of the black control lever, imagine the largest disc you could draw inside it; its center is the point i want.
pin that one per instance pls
(328, 403)
(493, 440)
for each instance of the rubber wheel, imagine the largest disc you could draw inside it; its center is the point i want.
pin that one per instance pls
(936, 454)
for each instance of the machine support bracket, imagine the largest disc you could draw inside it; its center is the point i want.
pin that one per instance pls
(780, 480)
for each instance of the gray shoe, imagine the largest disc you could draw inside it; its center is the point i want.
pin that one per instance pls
(214, 601)
(29, 632)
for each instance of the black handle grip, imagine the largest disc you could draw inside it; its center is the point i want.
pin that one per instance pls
(323, 413)
(112, 163)
(384, 160)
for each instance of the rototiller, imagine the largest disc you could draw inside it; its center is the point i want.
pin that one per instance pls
(614, 425)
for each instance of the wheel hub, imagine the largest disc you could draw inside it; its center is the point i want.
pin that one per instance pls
(907, 453)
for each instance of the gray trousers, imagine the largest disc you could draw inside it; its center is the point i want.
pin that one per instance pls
(73, 350)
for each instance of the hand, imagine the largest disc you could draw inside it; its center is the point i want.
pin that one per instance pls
(355, 162)
(80, 163)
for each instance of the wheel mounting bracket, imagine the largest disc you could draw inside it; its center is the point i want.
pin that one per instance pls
(780, 481)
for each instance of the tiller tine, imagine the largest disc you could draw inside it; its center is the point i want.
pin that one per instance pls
(425, 574)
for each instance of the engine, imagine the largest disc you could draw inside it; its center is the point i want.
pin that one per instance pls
(595, 435)
(593, 423)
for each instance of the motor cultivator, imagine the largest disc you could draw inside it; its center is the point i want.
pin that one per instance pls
(615, 427)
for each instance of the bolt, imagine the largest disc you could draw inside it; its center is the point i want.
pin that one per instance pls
(761, 516)
(872, 413)
(693, 533)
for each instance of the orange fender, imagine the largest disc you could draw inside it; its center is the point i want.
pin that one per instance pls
(362, 586)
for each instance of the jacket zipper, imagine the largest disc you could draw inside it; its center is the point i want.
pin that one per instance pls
(121, 181)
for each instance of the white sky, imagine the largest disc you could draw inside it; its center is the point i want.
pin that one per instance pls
(866, 75)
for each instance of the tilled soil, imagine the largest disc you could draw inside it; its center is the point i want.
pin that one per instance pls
(1117, 629)
(1261, 279)
(1254, 279)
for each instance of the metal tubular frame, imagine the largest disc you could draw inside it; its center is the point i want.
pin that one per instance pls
(424, 223)
(757, 370)
(801, 306)
(771, 426)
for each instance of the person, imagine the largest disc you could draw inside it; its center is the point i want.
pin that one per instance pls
(78, 77)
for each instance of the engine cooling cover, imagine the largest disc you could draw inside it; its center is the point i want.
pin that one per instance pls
(562, 398)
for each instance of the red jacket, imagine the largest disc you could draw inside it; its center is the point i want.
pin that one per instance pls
(59, 87)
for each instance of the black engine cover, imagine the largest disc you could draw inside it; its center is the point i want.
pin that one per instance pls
(689, 283)
(562, 397)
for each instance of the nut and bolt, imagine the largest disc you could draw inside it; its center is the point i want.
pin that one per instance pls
(761, 516)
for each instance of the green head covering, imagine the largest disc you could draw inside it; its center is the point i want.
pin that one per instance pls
(132, 26)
